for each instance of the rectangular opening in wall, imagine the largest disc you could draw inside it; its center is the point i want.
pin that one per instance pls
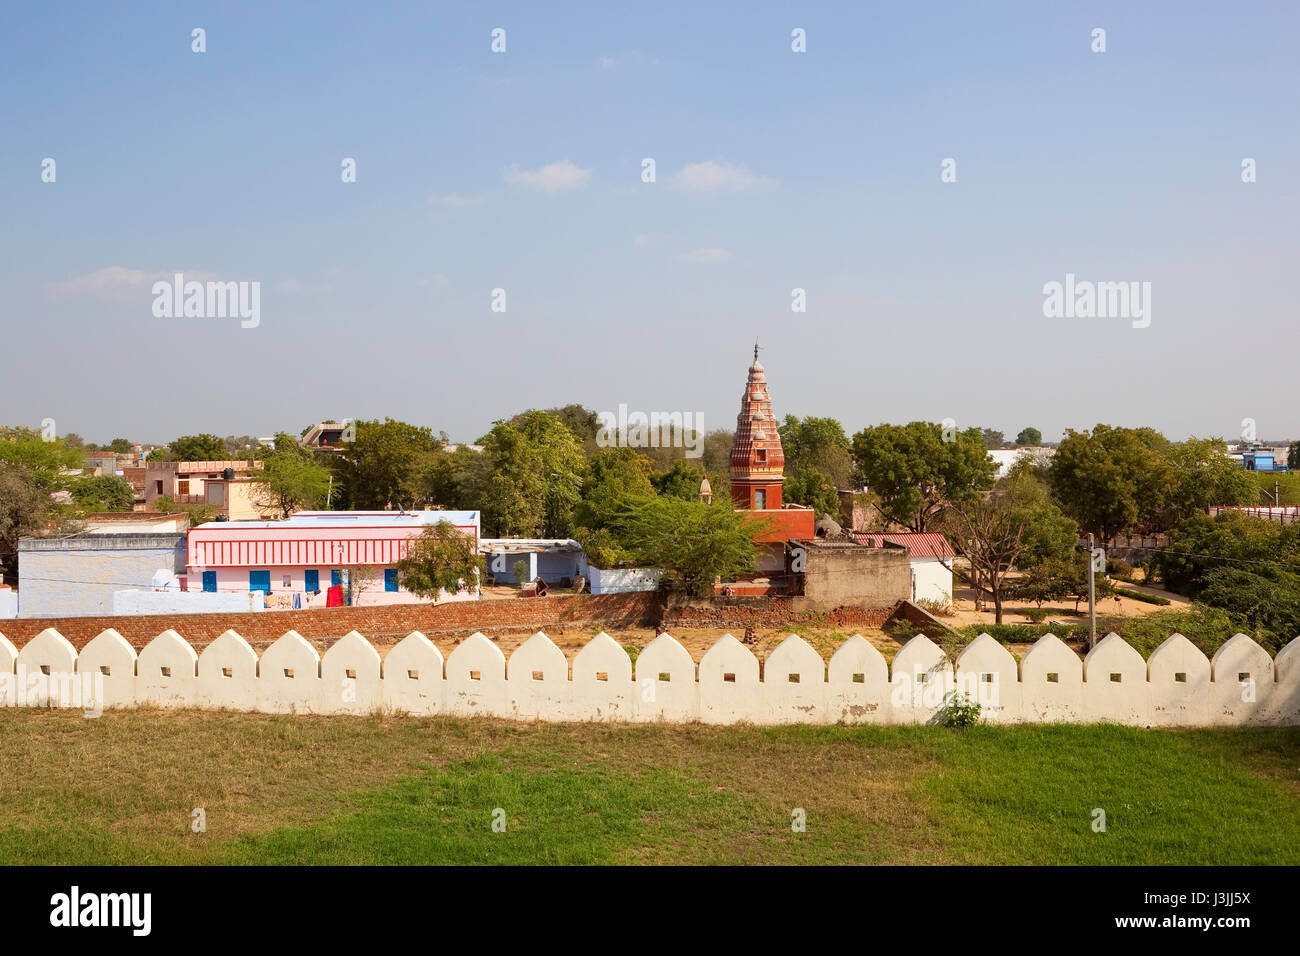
(1053, 678)
(794, 678)
(352, 674)
(1180, 678)
(45, 669)
(729, 678)
(665, 676)
(1243, 676)
(538, 675)
(475, 675)
(986, 678)
(288, 672)
(602, 675)
(166, 671)
(1116, 678)
(226, 672)
(859, 678)
(413, 675)
(105, 670)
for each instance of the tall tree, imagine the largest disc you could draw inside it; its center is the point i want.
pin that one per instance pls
(915, 473)
(291, 478)
(530, 477)
(1029, 437)
(995, 532)
(198, 448)
(1203, 475)
(1112, 479)
(692, 542)
(387, 465)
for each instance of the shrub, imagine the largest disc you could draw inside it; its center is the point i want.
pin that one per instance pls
(1145, 598)
(962, 711)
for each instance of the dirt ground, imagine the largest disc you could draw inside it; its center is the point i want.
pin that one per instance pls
(964, 607)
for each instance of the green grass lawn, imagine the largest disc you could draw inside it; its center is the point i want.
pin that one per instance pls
(279, 789)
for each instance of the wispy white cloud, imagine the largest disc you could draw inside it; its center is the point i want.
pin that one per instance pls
(117, 282)
(713, 254)
(715, 177)
(551, 178)
(454, 201)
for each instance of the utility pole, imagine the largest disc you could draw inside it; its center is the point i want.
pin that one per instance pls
(1092, 595)
(330, 493)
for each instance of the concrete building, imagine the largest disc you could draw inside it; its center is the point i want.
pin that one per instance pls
(841, 572)
(223, 485)
(557, 561)
(930, 557)
(295, 561)
(135, 522)
(76, 576)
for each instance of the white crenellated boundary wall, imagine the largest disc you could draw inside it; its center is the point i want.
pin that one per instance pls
(1177, 687)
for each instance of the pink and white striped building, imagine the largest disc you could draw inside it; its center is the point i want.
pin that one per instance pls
(311, 550)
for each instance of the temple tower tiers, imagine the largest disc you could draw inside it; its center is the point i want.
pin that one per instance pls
(757, 461)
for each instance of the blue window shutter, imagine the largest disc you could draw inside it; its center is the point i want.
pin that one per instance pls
(336, 576)
(210, 581)
(390, 579)
(311, 580)
(259, 581)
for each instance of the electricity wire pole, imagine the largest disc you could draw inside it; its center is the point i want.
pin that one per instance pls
(1092, 595)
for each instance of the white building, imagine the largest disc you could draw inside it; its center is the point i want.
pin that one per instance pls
(931, 559)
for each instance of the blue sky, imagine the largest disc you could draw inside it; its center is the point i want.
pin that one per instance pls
(775, 170)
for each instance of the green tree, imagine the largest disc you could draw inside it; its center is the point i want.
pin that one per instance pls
(680, 481)
(615, 475)
(291, 478)
(693, 543)
(25, 510)
(582, 421)
(817, 444)
(120, 445)
(102, 493)
(440, 559)
(812, 488)
(529, 478)
(1112, 479)
(386, 464)
(1029, 437)
(197, 448)
(993, 439)
(915, 473)
(1203, 475)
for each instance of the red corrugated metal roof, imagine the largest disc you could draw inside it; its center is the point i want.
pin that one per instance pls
(928, 544)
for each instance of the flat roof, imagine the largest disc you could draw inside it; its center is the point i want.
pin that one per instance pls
(347, 519)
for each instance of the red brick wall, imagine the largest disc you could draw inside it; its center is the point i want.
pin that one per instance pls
(532, 614)
(460, 617)
(768, 612)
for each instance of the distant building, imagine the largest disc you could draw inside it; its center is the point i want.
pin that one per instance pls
(757, 475)
(1005, 458)
(305, 554)
(77, 575)
(324, 436)
(226, 486)
(557, 561)
(930, 556)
